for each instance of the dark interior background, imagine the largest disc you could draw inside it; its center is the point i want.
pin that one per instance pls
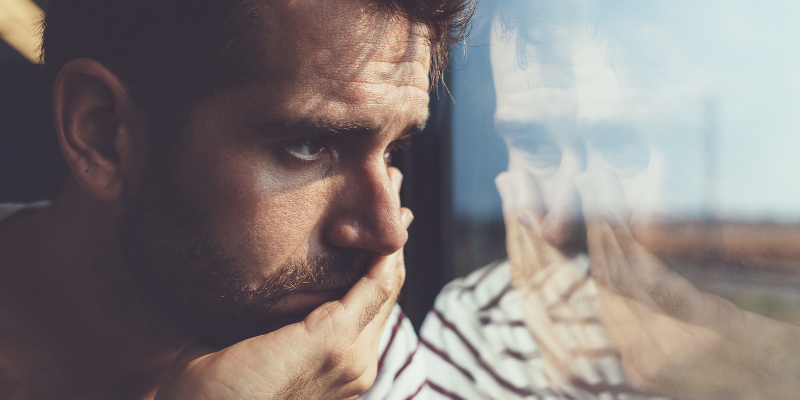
(31, 164)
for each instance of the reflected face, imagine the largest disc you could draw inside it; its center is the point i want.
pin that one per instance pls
(568, 110)
(280, 195)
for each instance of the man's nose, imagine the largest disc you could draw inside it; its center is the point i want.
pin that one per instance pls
(367, 212)
(563, 224)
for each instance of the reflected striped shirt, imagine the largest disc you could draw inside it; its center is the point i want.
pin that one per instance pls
(476, 345)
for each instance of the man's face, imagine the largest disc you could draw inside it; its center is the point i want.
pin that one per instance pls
(569, 109)
(280, 195)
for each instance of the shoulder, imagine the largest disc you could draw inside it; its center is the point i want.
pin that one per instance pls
(475, 343)
(7, 209)
(15, 222)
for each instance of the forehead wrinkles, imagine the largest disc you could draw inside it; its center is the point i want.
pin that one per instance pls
(349, 41)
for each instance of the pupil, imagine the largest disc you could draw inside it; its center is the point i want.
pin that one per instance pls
(308, 147)
(311, 147)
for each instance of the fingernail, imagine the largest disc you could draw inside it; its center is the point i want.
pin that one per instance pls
(407, 218)
(398, 181)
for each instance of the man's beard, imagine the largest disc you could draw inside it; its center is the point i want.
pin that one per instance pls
(166, 246)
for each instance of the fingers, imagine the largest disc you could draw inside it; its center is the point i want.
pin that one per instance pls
(332, 353)
(520, 197)
(602, 196)
(623, 265)
(607, 259)
(522, 211)
(193, 351)
(671, 292)
(406, 216)
(348, 317)
(615, 266)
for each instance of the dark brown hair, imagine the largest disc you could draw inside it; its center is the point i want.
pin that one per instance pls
(172, 53)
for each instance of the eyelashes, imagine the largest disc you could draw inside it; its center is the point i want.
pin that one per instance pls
(307, 150)
(540, 152)
(626, 157)
(310, 151)
(395, 147)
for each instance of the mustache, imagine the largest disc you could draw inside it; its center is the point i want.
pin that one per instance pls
(322, 272)
(250, 311)
(209, 292)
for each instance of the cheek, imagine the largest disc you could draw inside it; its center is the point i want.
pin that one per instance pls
(256, 212)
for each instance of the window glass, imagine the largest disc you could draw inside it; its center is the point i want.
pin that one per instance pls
(647, 149)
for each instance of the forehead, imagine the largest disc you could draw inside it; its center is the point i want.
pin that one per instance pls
(577, 77)
(329, 59)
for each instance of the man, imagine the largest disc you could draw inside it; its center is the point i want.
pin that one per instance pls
(581, 309)
(230, 227)
(559, 112)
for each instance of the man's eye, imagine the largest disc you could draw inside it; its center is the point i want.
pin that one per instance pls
(387, 157)
(541, 152)
(396, 146)
(306, 149)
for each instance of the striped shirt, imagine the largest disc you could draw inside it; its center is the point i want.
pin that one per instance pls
(476, 345)
(401, 372)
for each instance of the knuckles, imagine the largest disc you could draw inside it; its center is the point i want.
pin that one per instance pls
(360, 378)
(352, 372)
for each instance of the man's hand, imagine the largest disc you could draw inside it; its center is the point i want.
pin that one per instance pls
(674, 339)
(331, 354)
(559, 298)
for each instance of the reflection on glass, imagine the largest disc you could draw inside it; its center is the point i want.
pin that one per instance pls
(651, 215)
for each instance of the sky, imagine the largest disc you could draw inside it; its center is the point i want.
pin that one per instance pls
(745, 55)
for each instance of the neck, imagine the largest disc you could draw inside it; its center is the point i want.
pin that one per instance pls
(96, 329)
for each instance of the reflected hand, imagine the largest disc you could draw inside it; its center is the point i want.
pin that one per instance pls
(559, 298)
(674, 339)
(331, 354)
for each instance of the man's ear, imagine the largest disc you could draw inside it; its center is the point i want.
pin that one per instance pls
(97, 125)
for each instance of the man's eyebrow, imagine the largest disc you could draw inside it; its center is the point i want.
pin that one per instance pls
(511, 130)
(304, 127)
(590, 131)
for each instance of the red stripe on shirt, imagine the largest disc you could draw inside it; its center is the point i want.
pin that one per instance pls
(487, 271)
(408, 361)
(514, 323)
(444, 392)
(419, 389)
(521, 356)
(494, 302)
(444, 356)
(522, 391)
(396, 328)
